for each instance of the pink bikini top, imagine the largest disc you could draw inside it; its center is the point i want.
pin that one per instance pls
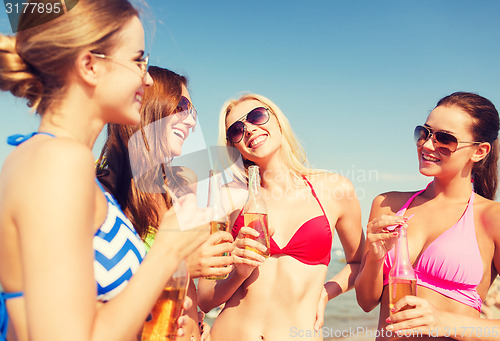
(312, 242)
(451, 265)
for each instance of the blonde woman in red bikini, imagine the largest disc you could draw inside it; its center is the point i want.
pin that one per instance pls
(284, 296)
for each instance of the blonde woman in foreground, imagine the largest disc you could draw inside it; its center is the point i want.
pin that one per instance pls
(284, 296)
(72, 266)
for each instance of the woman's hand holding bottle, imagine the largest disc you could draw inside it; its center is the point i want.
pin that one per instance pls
(212, 260)
(244, 257)
(206, 261)
(380, 238)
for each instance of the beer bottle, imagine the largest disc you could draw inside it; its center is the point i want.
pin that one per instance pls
(220, 220)
(255, 210)
(402, 278)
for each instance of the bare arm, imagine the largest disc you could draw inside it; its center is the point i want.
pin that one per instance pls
(211, 293)
(351, 236)
(55, 216)
(348, 227)
(369, 283)
(208, 259)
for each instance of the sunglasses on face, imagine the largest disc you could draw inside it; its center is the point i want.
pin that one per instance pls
(236, 131)
(186, 108)
(445, 143)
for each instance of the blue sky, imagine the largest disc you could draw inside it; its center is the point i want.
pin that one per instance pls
(354, 77)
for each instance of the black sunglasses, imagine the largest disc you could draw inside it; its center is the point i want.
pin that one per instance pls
(236, 131)
(445, 143)
(185, 108)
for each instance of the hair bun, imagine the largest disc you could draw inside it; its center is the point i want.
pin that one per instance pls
(16, 75)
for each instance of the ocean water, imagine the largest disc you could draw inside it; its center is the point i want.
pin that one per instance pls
(344, 319)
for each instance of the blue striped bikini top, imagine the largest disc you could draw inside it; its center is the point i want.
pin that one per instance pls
(118, 250)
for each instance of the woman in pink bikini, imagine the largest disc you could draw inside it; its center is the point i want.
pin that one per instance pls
(453, 236)
(284, 296)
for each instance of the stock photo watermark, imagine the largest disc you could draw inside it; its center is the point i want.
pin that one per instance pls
(38, 12)
(365, 332)
(327, 332)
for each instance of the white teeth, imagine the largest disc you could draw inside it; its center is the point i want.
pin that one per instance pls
(429, 158)
(138, 97)
(179, 133)
(257, 140)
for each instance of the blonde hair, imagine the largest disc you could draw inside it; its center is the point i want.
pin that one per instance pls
(34, 64)
(291, 151)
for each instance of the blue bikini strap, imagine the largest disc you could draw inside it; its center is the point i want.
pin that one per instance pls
(4, 317)
(17, 139)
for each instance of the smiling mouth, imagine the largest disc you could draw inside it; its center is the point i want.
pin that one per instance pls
(179, 133)
(257, 140)
(138, 98)
(430, 158)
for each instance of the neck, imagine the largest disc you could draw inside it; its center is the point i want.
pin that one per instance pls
(454, 189)
(275, 174)
(74, 117)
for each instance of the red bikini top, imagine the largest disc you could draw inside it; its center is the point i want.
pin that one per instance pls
(312, 242)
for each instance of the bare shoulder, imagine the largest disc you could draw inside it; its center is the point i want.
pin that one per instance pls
(64, 155)
(56, 163)
(332, 185)
(390, 202)
(49, 178)
(489, 215)
(337, 195)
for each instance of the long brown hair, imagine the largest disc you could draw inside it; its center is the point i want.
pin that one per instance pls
(114, 169)
(485, 126)
(34, 64)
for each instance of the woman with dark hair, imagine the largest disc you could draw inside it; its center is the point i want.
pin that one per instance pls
(134, 165)
(453, 238)
(135, 171)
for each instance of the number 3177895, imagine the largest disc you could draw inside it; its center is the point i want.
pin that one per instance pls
(33, 7)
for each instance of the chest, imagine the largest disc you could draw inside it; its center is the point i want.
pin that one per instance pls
(448, 244)
(289, 210)
(440, 227)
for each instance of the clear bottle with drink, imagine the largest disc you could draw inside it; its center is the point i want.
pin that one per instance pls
(168, 308)
(255, 211)
(220, 219)
(402, 278)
